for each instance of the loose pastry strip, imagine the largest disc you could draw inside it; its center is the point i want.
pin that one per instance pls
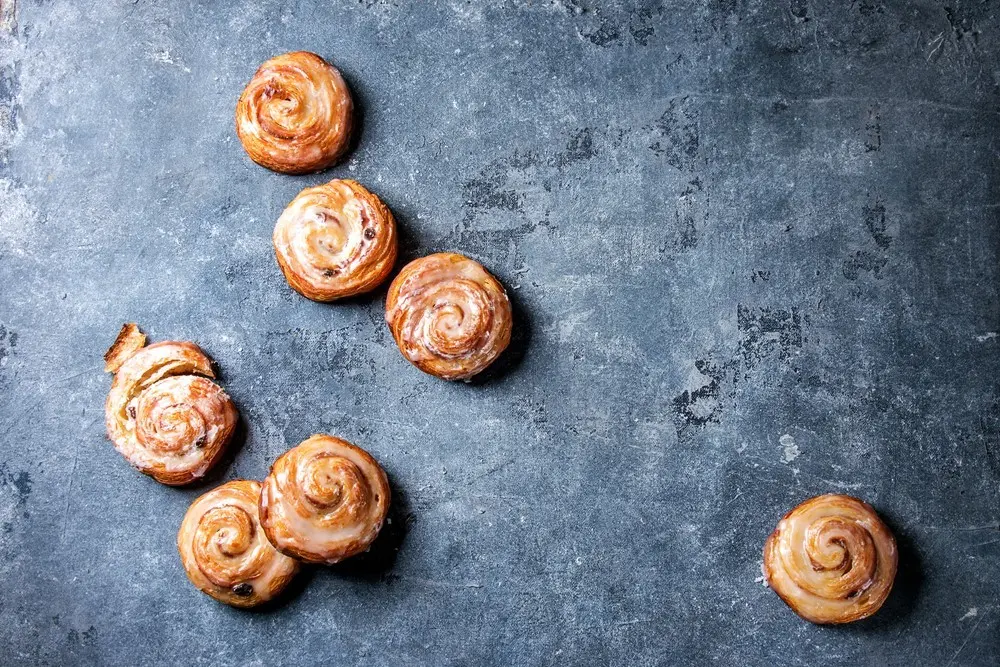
(295, 115)
(831, 559)
(335, 240)
(449, 316)
(163, 412)
(224, 551)
(324, 500)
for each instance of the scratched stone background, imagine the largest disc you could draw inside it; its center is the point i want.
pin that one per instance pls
(753, 249)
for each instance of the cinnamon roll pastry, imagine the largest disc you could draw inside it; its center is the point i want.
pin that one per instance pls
(831, 559)
(224, 551)
(335, 240)
(449, 316)
(324, 500)
(163, 413)
(295, 115)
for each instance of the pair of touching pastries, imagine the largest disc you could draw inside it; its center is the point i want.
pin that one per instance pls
(449, 316)
(323, 501)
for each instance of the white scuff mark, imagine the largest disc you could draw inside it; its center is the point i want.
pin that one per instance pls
(762, 579)
(989, 335)
(790, 451)
(972, 613)
(18, 219)
(163, 56)
(567, 326)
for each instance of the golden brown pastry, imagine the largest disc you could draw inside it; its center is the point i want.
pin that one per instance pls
(335, 240)
(164, 413)
(449, 316)
(224, 551)
(831, 559)
(324, 500)
(295, 115)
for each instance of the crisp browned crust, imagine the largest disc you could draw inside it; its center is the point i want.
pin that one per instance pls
(296, 114)
(129, 341)
(335, 240)
(325, 500)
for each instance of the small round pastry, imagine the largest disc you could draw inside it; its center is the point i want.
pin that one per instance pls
(324, 500)
(831, 559)
(449, 316)
(225, 553)
(335, 240)
(163, 412)
(296, 114)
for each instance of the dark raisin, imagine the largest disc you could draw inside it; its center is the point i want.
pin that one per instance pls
(369, 233)
(329, 273)
(243, 589)
(131, 411)
(200, 442)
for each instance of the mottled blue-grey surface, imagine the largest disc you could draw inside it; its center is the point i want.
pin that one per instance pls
(754, 250)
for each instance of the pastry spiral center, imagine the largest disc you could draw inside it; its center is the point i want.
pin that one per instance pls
(330, 482)
(226, 547)
(168, 422)
(842, 558)
(283, 104)
(457, 321)
(327, 242)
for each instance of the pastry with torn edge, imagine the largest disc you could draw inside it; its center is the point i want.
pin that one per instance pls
(164, 413)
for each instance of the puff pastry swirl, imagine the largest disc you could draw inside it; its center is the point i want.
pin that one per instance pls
(449, 316)
(831, 559)
(335, 240)
(224, 551)
(324, 500)
(163, 412)
(296, 114)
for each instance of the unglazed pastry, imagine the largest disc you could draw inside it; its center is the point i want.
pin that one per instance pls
(831, 559)
(449, 316)
(163, 413)
(324, 500)
(335, 240)
(295, 115)
(224, 551)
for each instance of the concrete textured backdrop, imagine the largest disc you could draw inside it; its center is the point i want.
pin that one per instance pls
(754, 250)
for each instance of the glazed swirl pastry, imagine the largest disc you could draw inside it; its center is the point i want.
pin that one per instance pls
(831, 559)
(224, 551)
(295, 115)
(335, 240)
(449, 316)
(163, 413)
(324, 500)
